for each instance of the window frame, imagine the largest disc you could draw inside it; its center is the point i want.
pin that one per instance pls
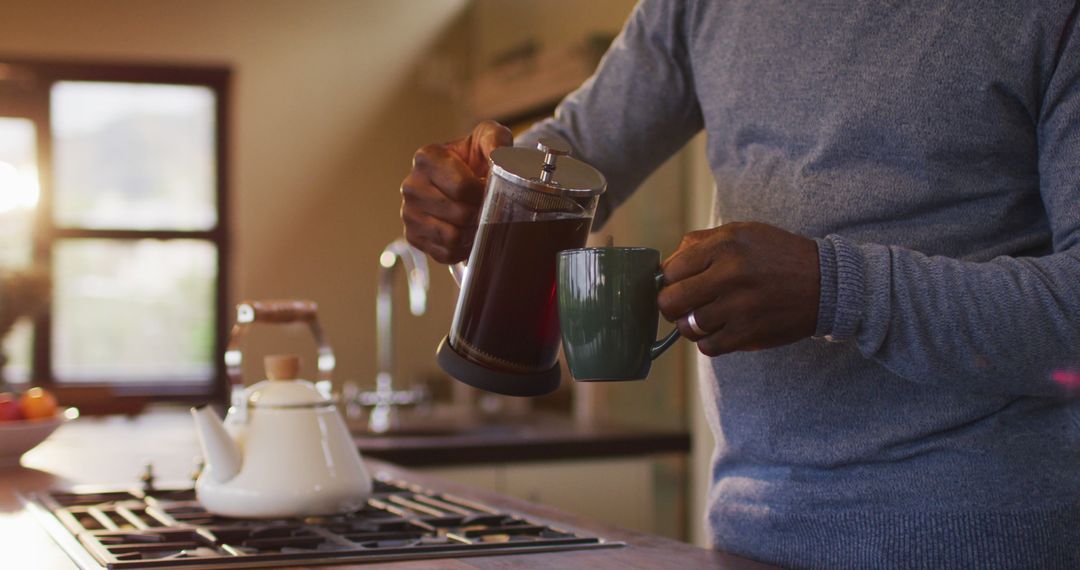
(32, 101)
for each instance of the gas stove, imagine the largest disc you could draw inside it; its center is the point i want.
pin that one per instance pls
(167, 528)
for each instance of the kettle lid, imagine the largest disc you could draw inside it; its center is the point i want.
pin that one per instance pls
(283, 388)
(548, 168)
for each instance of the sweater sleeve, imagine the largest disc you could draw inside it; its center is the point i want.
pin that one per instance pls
(637, 109)
(1010, 325)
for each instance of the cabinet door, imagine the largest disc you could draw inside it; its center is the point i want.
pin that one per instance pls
(484, 477)
(616, 491)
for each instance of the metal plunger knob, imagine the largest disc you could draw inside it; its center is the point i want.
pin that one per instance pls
(553, 148)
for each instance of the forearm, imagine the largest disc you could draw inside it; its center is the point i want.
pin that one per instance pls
(1002, 326)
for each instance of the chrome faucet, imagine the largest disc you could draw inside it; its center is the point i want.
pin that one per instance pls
(384, 400)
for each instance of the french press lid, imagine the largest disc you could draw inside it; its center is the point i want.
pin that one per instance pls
(548, 168)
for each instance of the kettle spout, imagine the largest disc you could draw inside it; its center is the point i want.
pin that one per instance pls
(219, 450)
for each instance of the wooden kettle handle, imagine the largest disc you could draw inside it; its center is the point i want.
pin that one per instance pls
(277, 311)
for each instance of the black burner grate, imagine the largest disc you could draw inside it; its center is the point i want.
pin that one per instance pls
(167, 528)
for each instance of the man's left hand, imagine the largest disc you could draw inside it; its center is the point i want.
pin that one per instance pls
(748, 285)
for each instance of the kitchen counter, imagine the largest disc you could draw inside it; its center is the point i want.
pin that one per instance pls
(112, 451)
(533, 437)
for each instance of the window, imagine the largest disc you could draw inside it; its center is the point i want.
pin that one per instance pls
(113, 183)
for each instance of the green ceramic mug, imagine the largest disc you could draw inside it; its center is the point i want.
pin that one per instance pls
(608, 312)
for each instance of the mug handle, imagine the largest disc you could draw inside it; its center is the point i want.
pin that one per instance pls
(662, 345)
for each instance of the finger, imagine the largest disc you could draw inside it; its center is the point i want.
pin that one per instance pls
(710, 318)
(687, 261)
(699, 250)
(490, 135)
(435, 251)
(435, 231)
(438, 252)
(449, 174)
(722, 342)
(458, 182)
(475, 149)
(421, 196)
(678, 299)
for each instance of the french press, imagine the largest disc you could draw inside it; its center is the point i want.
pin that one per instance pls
(505, 334)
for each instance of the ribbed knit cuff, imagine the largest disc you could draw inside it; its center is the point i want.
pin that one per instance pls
(827, 298)
(843, 276)
(850, 288)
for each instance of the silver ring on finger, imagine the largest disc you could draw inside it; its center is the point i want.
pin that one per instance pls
(691, 321)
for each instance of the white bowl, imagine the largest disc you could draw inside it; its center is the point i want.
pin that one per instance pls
(18, 437)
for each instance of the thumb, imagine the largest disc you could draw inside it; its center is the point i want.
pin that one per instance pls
(489, 136)
(475, 149)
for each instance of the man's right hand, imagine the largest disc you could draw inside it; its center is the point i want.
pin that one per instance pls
(442, 195)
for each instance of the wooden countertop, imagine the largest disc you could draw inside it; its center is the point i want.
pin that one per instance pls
(113, 450)
(535, 437)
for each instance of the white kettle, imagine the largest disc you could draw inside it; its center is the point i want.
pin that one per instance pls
(289, 455)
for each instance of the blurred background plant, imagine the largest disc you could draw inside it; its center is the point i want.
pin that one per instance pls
(23, 294)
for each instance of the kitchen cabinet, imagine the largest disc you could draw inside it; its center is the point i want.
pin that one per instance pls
(485, 477)
(626, 474)
(628, 492)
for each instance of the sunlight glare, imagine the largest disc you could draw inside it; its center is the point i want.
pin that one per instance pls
(18, 188)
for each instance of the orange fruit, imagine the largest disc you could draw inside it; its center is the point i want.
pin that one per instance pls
(37, 403)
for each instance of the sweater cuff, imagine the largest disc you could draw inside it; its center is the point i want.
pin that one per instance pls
(827, 297)
(843, 276)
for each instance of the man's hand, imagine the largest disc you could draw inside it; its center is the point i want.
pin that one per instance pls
(442, 195)
(749, 285)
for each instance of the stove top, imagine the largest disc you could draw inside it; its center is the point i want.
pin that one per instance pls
(166, 528)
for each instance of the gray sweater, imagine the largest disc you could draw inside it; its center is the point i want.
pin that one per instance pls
(932, 148)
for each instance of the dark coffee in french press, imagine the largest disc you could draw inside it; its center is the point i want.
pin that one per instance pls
(505, 333)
